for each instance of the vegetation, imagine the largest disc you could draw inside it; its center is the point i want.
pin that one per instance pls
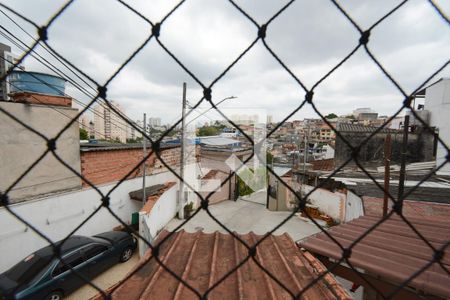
(215, 129)
(84, 134)
(134, 141)
(208, 130)
(257, 180)
(269, 158)
(331, 116)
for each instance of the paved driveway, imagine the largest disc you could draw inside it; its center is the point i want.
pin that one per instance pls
(244, 216)
(106, 279)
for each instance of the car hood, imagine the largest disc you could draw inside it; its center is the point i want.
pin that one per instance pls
(7, 286)
(114, 236)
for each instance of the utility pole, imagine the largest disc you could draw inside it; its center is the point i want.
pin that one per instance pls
(305, 155)
(387, 162)
(182, 150)
(401, 180)
(144, 146)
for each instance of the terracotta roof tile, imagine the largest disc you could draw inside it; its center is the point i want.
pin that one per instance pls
(203, 259)
(392, 250)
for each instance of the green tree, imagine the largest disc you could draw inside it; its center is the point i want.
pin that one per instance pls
(207, 131)
(269, 158)
(331, 116)
(84, 134)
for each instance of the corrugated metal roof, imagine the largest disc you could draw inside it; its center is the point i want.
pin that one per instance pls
(345, 127)
(117, 146)
(218, 141)
(203, 259)
(392, 251)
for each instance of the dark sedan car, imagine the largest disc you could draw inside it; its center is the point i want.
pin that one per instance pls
(42, 276)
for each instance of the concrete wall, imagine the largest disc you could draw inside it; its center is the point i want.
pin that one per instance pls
(420, 148)
(437, 101)
(20, 147)
(162, 212)
(353, 207)
(57, 216)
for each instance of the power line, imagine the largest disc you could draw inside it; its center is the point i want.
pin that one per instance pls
(77, 101)
(62, 74)
(46, 49)
(49, 106)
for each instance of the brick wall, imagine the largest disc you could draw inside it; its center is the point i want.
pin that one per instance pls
(101, 166)
(35, 98)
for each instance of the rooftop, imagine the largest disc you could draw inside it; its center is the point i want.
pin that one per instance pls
(392, 251)
(202, 260)
(345, 127)
(118, 146)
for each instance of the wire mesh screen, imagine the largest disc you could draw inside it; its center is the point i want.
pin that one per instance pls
(306, 99)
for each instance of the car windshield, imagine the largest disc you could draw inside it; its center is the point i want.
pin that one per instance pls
(27, 269)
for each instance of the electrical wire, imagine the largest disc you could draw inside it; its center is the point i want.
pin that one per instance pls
(56, 70)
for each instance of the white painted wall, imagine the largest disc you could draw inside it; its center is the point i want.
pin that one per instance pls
(437, 101)
(162, 212)
(353, 207)
(328, 202)
(58, 215)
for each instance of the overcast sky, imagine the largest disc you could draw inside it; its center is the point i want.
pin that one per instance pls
(310, 37)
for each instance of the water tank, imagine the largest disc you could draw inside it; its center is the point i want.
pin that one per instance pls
(36, 82)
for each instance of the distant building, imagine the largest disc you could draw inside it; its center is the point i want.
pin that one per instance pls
(6, 61)
(84, 122)
(108, 124)
(364, 114)
(326, 134)
(154, 122)
(397, 122)
(420, 145)
(244, 119)
(132, 133)
(91, 130)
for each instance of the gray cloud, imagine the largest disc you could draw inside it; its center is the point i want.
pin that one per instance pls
(310, 37)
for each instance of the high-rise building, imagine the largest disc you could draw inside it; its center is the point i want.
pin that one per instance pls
(154, 122)
(7, 59)
(108, 124)
(132, 133)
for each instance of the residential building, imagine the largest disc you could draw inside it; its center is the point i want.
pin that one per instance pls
(397, 122)
(437, 102)
(84, 121)
(108, 124)
(420, 145)
(326, 134)
(154, 122)
(6, 61)
(244, 119)
(132, 133)
(20, 148)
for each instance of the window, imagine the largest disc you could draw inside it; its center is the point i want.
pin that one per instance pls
(94, 250)
(28, 268)
(73, 260)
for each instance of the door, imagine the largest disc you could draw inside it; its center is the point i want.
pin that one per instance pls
(98, 258)
(65, 278)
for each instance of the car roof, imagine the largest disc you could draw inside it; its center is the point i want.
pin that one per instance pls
(69, 245)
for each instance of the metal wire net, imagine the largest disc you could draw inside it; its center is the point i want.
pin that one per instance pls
(361, 44)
